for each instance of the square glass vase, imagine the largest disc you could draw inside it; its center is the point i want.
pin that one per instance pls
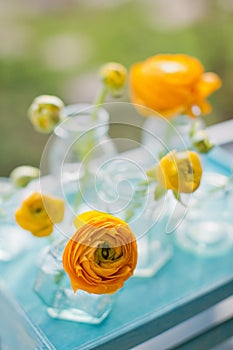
(53, 287)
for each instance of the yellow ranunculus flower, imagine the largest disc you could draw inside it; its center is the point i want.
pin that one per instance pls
(45, 113)
(38, 213)
(113, 75)
(180, 171)
(172, 84)
(101, 255)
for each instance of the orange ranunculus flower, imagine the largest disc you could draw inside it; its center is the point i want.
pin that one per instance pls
(101, 255)
(39, 212)
(180, 171)
(83, 218)
(172, 84)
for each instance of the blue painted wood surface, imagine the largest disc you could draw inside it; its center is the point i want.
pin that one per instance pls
(145, 307)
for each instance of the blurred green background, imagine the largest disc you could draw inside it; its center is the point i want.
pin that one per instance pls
(57, 47)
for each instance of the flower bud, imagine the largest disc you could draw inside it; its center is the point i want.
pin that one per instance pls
(201, 142)
(22, 175)
(114, 76)
(45, 113)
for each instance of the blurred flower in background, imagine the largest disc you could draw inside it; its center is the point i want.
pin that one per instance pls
(45, 113)
(113, 76)
(172, 85)
(38, 214)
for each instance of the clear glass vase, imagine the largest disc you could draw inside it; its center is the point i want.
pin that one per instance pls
(207, 228)
(119, 188)
(13, 240)
(165, 134)
(78, 146)
(53, 287)
(154, 245)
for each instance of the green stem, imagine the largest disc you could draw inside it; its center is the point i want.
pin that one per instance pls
(50, 239)
(99, 101)
(97, 104)
(59, 277)
(2, 213)
(151, 173)
(195, 125)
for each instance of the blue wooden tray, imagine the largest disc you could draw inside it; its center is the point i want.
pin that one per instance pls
(186, 285)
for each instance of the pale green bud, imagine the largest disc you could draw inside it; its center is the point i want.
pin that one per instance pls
(22, 175)
(114, 77)
(45, 113)
(201, 142)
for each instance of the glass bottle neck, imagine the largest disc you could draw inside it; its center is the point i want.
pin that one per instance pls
(83, 118)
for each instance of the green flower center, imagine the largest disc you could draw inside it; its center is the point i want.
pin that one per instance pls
(105, 252)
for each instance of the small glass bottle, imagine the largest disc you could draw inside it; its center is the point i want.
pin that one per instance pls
(78, 146)
(120, 186)
(13, 240)
(84, 131)
(207, 228)
(163, 135)
(53, 287)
